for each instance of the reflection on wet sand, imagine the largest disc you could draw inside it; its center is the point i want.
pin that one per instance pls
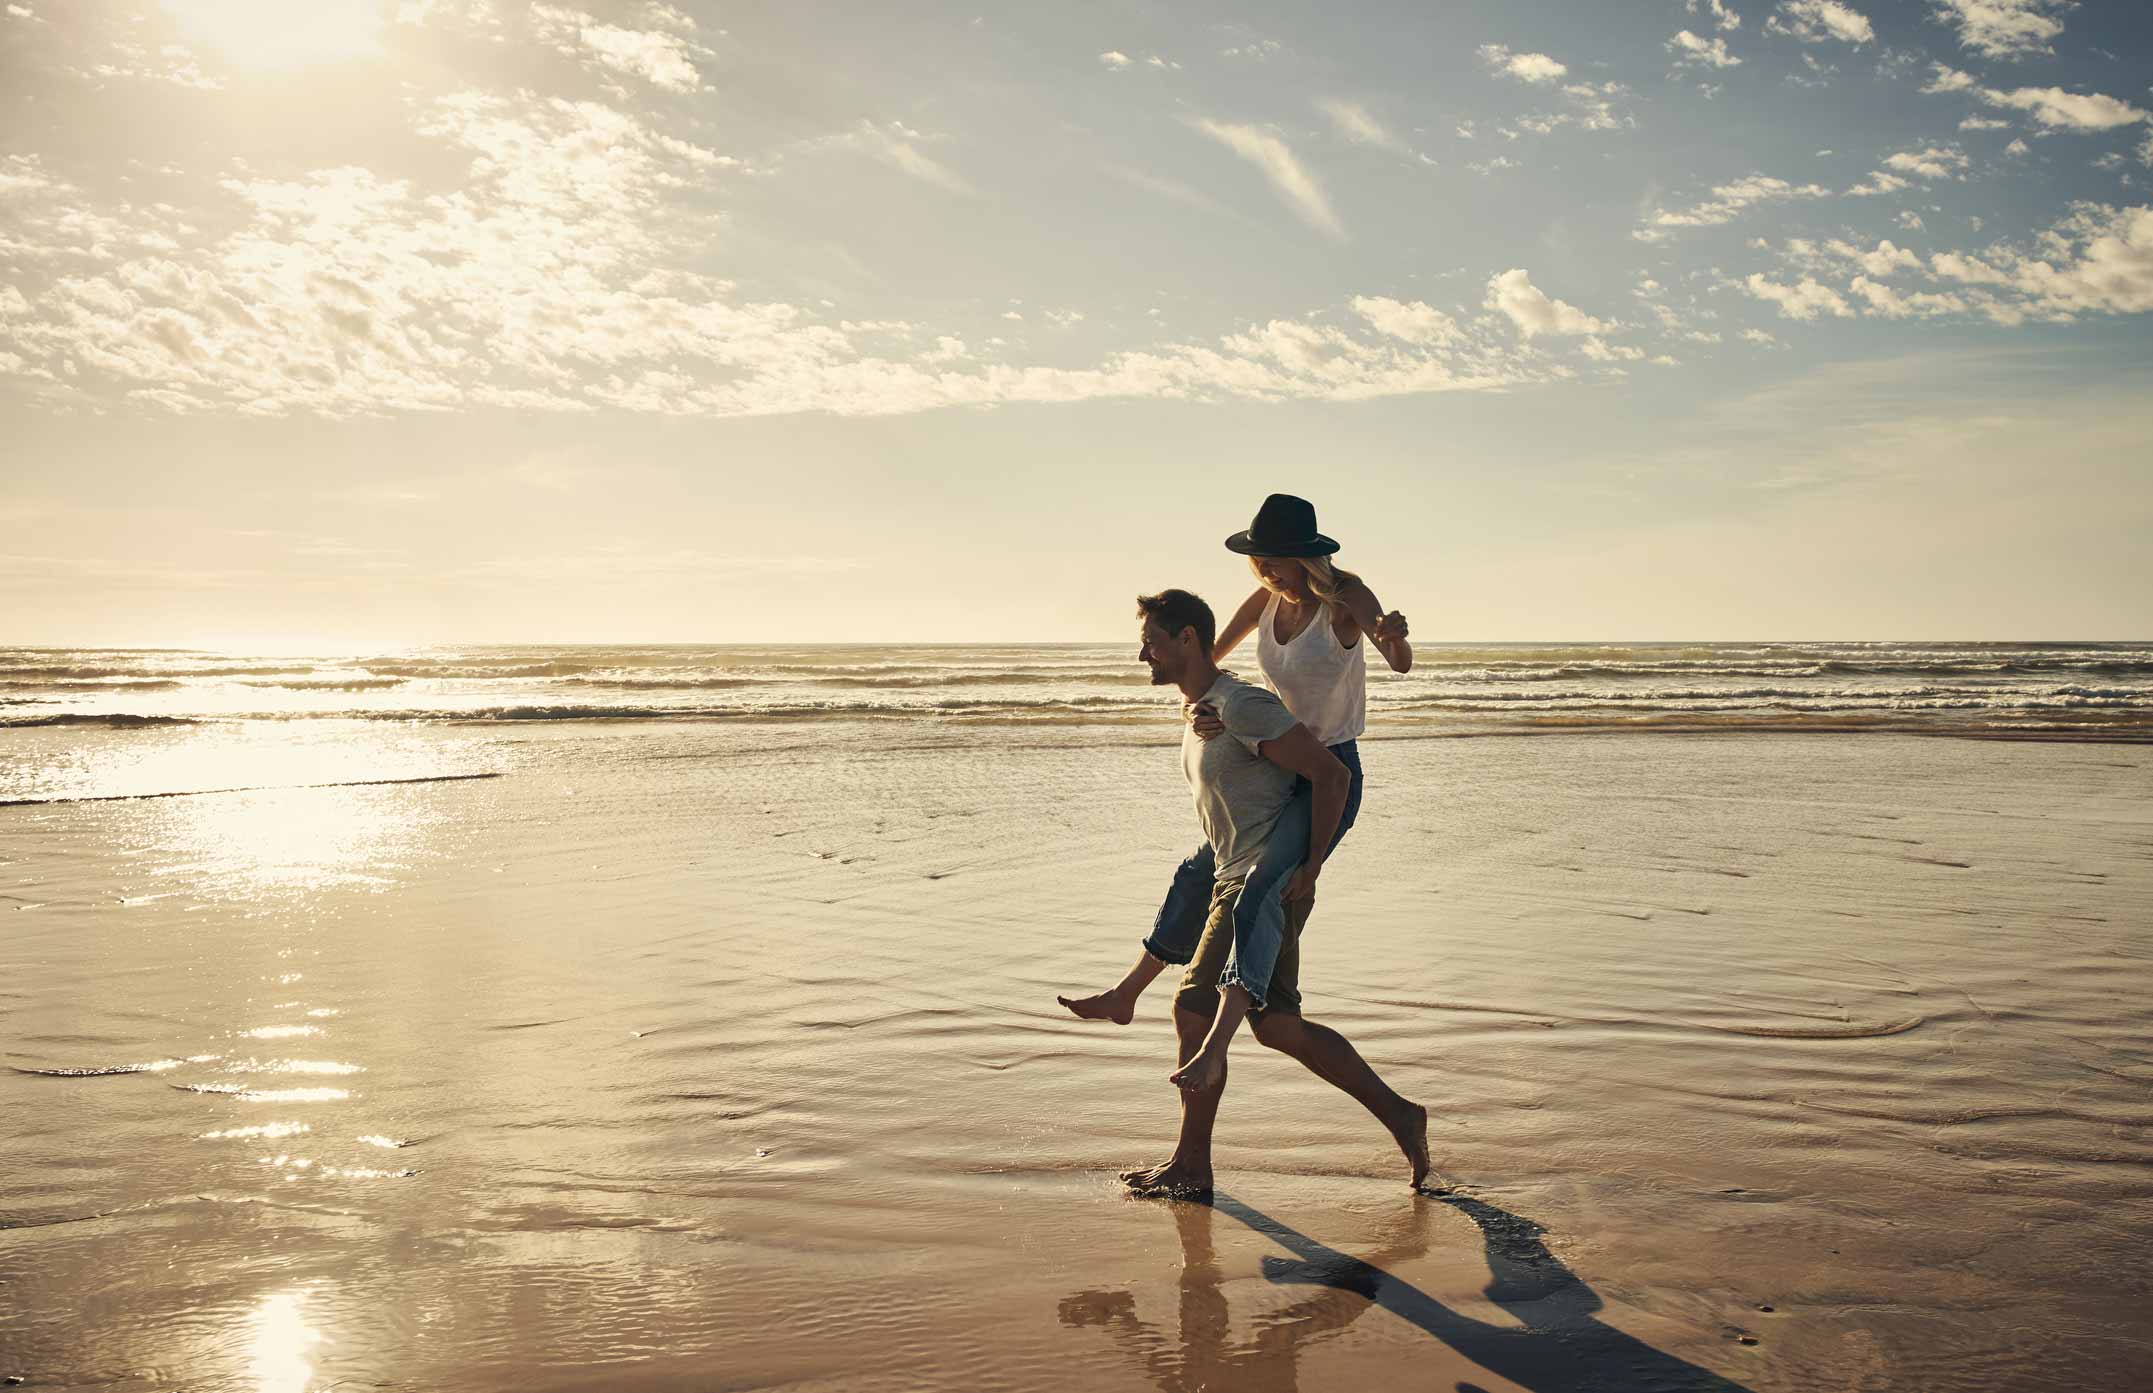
(1561, 1347)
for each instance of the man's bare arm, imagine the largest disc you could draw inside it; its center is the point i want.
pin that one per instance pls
(1298, 751)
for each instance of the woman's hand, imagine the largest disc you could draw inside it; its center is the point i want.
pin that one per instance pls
(1204, 720)
(1390, 628)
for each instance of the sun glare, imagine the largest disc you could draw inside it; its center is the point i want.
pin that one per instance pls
(270, 34)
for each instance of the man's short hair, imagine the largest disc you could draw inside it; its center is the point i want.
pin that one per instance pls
(1175, 610)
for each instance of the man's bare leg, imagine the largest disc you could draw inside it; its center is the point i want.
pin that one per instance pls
(1332, 1058)
(1209, 1065)
(1118, 1002)
(1186, 1173)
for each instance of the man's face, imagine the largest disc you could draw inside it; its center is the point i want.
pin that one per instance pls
(1161, 652)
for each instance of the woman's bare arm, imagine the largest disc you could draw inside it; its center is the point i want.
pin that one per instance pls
(1242, 624)
(1386, 631)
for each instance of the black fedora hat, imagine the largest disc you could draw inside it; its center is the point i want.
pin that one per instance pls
(1283, 526)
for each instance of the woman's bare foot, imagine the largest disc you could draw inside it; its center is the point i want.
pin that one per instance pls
(1171, 1180)
(1108, 1005)
(1411, 1133)
(1206, 1071)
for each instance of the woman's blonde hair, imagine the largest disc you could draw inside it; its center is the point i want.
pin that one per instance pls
(1326, 582)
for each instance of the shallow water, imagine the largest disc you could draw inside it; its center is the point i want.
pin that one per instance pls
(675, 1058)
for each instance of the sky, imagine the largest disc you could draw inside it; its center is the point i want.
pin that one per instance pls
(470, 320)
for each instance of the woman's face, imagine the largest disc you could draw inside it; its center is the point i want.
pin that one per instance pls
(1280, 575)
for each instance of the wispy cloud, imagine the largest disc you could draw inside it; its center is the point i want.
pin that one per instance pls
(1271, 155)
(1690, 51)
(660, 57)
(897, 145)
(1721, 15)
(1805, 300)
(1820, 21)
(1726, 202)
(1525, 67)
(1352, 121)
(2003, 28)
(2070, 111)
(1533, 312)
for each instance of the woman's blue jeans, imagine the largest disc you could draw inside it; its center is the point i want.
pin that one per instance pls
(1259, 927)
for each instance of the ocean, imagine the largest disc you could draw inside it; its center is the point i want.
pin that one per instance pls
(1060, 693)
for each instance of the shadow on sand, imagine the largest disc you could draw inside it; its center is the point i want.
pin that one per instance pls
(1561, 1347)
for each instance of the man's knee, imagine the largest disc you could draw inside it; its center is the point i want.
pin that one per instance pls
(1278, 1030)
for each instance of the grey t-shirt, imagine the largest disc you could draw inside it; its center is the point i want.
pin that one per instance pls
(1239, 793)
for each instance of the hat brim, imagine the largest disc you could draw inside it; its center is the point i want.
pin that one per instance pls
(1320, 545)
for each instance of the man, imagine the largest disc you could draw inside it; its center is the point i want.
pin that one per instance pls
(1242, 781)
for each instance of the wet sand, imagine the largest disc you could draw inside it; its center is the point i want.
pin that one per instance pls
(1757, 1062)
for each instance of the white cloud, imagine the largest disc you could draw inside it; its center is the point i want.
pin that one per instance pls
(1805, 300)
(172, 63)
(2099, 260)
(1818, 21)
(1591, 109)
(1525, 67)
(1884, 259)
(1726, 19)
(1970, 269)
(1494, 166)
(2002, 28)
(21, 12)
(1276, 160)
(1726, 201)
(2070, 111)
(1257, 50)
(552, 275)
(1759, 336)
(896, 145)
(2145, 151)
(1888, 303)
(476, 14)
(1412, 322)
(1513, 295)
(1983, 123)
(1352, 121)
(1931, 163)
(659, 58)
(2106, 257)
(1948, 79)
(2017, 147)
(1115, 58)
(1691, 51)
(1910, 220)
(1879, 182)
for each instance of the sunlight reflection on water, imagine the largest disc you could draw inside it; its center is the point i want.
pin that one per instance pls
(299, 840)
(279, 1352)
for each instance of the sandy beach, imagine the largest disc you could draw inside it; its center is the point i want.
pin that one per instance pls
(1760, 1062)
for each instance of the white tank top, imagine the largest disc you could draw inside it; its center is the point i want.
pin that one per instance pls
(1323, 683)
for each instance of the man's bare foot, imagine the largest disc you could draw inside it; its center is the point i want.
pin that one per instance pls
(1170, 1180)
(1106, 1006)
(1206, 1071)
(1411, 1133)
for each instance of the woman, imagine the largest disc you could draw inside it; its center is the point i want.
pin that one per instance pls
(1309, 617)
